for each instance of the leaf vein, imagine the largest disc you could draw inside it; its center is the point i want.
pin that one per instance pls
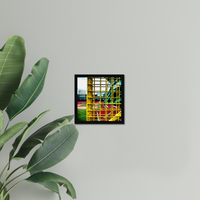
(7, 56)
(51, 152)
(29, 98)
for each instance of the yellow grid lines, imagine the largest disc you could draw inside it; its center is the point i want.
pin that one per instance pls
(101, 94)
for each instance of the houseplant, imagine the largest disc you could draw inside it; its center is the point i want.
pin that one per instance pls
(14, 99)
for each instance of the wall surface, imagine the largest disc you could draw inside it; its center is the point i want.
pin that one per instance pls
(155, 155)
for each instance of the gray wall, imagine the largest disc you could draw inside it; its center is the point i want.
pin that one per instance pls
(156, 44)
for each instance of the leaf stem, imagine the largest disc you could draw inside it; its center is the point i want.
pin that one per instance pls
(3, 170)
(11, 188)
(4, 185)
(15, 171)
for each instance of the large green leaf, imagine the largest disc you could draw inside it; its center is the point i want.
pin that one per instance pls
(12, 57)
(55, 148)
(1, 120)
(48, 176)
(20, 138)
(4, 192)
(9, 133)
(37, 137)
(29, 90)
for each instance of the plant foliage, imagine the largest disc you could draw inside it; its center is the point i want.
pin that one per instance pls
(14, 99)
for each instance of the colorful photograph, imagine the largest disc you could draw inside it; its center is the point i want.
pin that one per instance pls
(99, 99)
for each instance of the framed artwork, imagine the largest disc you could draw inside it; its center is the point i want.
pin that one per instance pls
(99, 98)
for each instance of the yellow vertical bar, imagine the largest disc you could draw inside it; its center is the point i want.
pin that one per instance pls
(106, 99)
(118, 99)
(89, 99)
(93, 100)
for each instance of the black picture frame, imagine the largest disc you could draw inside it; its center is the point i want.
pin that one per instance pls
(114, 84)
